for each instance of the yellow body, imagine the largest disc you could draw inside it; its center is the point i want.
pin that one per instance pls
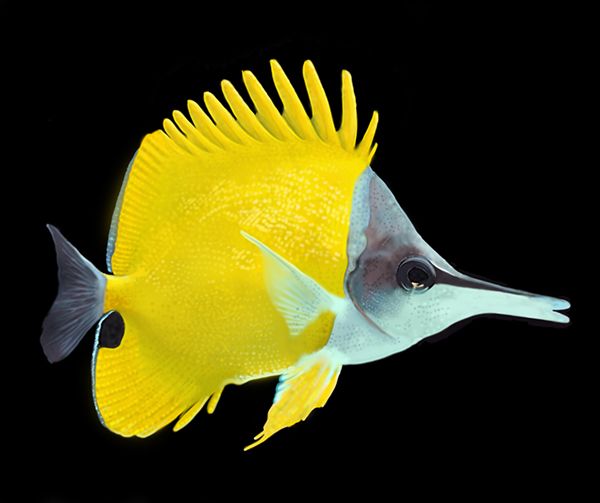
(189, 287)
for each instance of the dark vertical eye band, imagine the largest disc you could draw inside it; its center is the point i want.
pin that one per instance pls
(415, 274)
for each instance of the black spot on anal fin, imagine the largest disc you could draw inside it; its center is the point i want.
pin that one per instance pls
(111, 331)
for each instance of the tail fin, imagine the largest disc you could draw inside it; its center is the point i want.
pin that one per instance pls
(79, 303)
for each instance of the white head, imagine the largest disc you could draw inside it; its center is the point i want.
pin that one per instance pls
(406, 289)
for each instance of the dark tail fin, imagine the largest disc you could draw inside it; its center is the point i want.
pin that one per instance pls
(79, 303)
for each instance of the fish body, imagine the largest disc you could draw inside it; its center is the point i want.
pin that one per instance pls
(197, 290)
(255, 243)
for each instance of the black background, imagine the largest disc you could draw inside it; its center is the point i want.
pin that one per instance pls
(477, 140)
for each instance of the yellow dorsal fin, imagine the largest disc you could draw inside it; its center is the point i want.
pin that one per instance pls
(242, 126)
(189, 147)
(293, 111)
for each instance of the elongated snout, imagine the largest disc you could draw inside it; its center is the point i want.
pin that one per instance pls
(483, 297)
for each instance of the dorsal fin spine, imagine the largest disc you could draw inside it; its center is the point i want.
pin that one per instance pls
(203, 123)
(232, 129)
(321, 112)
(349, 125)
(224, 120)
(266, 111)
(192, 134)
(293, 111)
(244, 115)
(365, 147)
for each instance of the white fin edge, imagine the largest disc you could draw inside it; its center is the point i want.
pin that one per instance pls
(298, 297)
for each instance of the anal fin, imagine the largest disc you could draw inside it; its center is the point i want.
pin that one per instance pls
(138, 389)
(189, 414)
(301, 389)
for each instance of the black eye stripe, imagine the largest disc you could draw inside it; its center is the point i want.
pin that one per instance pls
(415, 273)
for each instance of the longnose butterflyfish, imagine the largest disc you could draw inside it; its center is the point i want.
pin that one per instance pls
(251, 242)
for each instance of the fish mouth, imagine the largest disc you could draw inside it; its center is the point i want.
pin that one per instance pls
(539, 307)
(491, 298)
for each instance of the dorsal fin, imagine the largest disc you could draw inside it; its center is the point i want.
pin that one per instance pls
(220, 129)
(228, 138)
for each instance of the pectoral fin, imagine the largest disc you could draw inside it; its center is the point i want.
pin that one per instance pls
(298, 297)
(304, 387)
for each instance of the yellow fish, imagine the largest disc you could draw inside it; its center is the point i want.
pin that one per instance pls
(252, 243)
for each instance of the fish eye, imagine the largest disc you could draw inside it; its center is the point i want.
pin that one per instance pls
(415, 274)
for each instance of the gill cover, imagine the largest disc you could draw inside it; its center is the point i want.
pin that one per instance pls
(386, 237)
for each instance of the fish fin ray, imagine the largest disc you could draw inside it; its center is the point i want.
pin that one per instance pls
(301, 389)
(293, 110)
(214, 400)
(321, 112)
(348, 128)
(298, 297)
(188, 415)
(244, 115)
(366, 148)
(224, 120)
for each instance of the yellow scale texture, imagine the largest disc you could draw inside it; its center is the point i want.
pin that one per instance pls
(190, 288)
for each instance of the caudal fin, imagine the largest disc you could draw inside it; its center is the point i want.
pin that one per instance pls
(79, 303)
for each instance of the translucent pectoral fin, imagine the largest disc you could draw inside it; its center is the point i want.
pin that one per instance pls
(298, 297)
(304, 387)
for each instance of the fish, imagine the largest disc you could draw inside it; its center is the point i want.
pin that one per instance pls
(252, 241)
